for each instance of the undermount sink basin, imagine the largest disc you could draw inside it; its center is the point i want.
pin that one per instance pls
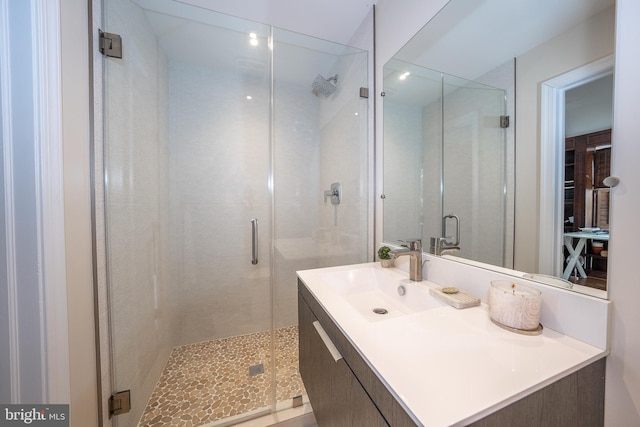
(381, 293)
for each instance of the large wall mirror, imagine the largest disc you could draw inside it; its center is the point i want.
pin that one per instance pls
(497, 138)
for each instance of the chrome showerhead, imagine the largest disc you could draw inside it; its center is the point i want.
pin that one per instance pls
(324, 87)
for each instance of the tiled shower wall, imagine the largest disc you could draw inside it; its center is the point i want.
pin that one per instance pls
(471, 126)
(219, 144)
(344, 157)
(334, 149)
(403, 150)
(316, 141)
(470, 147)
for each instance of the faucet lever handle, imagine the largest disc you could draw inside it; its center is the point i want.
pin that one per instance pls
(413, 244)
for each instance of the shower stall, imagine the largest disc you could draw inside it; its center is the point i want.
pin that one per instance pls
(448, 160)
(220, 145)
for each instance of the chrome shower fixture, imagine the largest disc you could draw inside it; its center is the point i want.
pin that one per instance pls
(324, 87)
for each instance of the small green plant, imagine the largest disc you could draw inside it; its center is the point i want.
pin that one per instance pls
(383, 252)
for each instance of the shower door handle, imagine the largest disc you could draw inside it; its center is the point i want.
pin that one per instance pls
(254, 241)
(456, 219)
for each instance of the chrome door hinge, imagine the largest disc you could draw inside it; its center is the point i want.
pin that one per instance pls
(504, 121)
(110, 44)
(120, 403)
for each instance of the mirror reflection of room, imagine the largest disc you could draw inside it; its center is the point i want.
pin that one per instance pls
(588, 118)
(436, 157)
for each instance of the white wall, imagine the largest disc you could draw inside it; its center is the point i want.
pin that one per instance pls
(589, 108)
(23, 374)
(623, 365)
(21, 361)
(5, 332)
(403, 135)
(35, 357)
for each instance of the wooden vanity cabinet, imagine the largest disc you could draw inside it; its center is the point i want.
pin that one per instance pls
(357, 399)
(348, 393)
(576, 400)
(338, 398)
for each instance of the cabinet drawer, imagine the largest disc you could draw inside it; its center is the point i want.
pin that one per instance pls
(386, 404)
(336, 396)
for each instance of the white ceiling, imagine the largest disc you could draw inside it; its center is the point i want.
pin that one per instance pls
(333, 20)
(209, 33)
(470, 37)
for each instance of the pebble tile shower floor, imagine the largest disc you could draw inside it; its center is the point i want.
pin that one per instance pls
(210, 381)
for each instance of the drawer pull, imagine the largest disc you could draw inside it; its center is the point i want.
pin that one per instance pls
(335, 353)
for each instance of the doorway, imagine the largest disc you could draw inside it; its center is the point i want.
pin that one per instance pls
(552, 170)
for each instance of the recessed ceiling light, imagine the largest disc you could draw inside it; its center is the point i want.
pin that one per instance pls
(253, 39)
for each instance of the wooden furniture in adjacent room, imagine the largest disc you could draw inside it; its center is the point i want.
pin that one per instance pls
(586, 198)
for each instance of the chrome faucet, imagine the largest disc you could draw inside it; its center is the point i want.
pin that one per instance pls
(440, 246)
(414, 251)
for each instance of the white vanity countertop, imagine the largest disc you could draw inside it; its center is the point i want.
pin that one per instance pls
(450, 367)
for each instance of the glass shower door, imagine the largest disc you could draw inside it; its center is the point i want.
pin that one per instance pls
(187, 169)
(320, 141)
(474, 175)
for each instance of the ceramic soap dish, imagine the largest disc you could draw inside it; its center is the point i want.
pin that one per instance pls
(455, 297)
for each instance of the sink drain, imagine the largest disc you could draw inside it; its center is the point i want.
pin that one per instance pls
(380, 311)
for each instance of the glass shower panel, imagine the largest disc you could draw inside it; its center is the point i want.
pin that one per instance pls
(474, 168)
(319, 139)
(412, 152)
(187, 167)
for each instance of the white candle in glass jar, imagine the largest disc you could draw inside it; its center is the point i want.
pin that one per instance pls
(515, 305)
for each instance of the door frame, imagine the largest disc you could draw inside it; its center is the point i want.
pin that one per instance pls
(552, 135)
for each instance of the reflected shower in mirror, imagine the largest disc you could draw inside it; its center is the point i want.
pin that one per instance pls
(445, 130)
(453, 144)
